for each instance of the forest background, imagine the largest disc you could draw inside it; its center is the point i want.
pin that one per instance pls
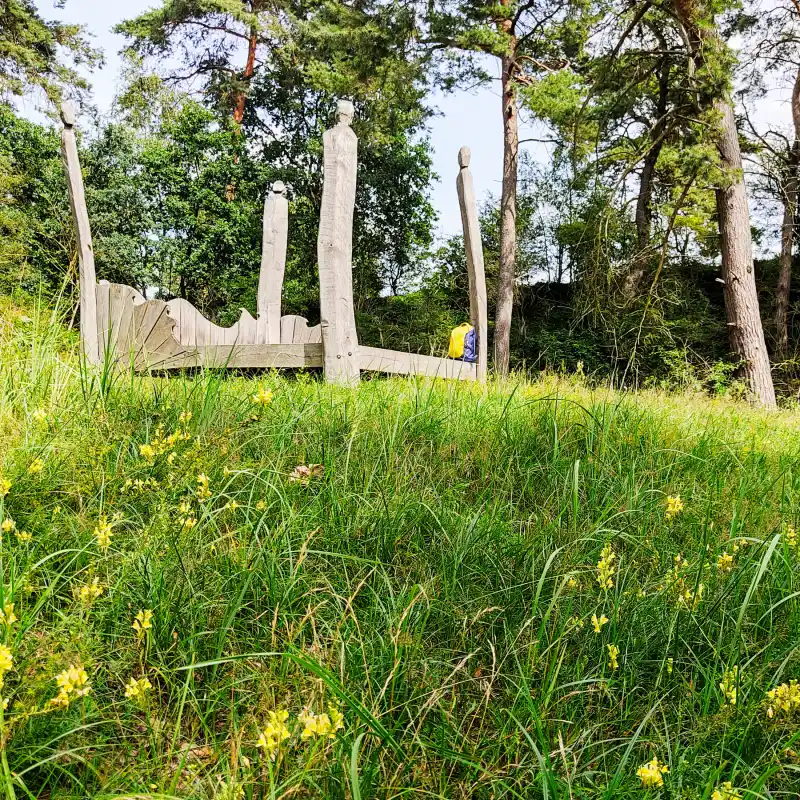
(622, 253)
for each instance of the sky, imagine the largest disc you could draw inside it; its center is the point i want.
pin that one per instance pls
(473, 118)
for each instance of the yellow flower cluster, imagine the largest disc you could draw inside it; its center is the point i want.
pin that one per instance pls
(784, 699)
(726, 791)
(606, 568)
(39, 416)
(6, 663)
(7, 615)
(674, 506)
(321, 725)
(652, 774)
(139, 486)
(613, 653)
(263, 397)
(729, 686)
(72, 682)
(203, 491)
(597, 623)
(790, 537)
(684, 590)
(274, 732)
(724, 563)
(8, 525)
(23, 536)
(143, 623)
(36, 466)
(102, 533)
(89, 592)
(161, 444)
(137, 689)
(5, 487)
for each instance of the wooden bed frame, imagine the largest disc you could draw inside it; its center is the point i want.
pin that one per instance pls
(118, 324)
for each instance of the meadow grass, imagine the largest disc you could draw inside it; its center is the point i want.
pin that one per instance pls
(434, 581)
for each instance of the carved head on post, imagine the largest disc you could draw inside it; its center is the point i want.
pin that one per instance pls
(464, 156)
(68, 113)
(279, 187)
(345, 112)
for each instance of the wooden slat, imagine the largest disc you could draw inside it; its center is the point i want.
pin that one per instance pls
(247, 356)
(379, 360)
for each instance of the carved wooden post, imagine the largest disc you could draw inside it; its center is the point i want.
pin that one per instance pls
(88, 282)
(335, 251)
(474, 250)
(273, 264)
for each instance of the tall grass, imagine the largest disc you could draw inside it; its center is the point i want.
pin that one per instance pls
(435, 581)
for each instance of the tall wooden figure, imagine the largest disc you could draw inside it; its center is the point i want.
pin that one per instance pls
(90, 341)
(474, 250)
(335, 251)
(273, 265)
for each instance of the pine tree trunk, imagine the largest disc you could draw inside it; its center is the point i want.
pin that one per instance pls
(741, 298)
(508, 220)
(746, 331)
(249, 71)
(790, 189)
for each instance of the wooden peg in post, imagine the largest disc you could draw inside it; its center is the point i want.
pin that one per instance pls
(273, 265)
(90, 340)
(335, 251)
(474, 250)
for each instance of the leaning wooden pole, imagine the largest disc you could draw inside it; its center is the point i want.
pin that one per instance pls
(474, 250)
(90, 340)
(335, 251)
(273, 265)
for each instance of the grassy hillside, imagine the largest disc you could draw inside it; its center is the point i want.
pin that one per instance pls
(433, 582)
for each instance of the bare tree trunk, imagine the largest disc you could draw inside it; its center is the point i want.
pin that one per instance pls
(790, 189)
(746, 331)
(508, 218)
(741, 296)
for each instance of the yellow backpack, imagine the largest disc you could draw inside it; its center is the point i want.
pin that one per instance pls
(457, 337)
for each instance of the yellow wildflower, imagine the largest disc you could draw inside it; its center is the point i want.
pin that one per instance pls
(263, 397)
(39, 416)
(36, 466)
(729, 686)
(23, 536)
(784, 699)
(102, 533)
(651, 774)
(143, 623)
(8, 525)
(613, 652)
(6, 662)
(572, 584)
(606, 568)
(275, 732)
(321, 725)
(147, 452)
(597, 624)
(136, 690)
(5, 487)
(790, 536)
(231, 505)
(203, 491)
(674, 506)
(185, 417)
(72, 682)
(261, 505)
(724, 563)
(89, 592)
(7, 615)
(726, 791)
(187, 523)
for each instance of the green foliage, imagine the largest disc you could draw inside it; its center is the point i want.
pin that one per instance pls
(32, 50)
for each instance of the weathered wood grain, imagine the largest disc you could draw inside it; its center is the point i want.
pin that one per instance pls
(393, 361)
(194, 329)
(69, 149)
(335, 251)
(273, 264)
(297, 329)
(474, 250)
